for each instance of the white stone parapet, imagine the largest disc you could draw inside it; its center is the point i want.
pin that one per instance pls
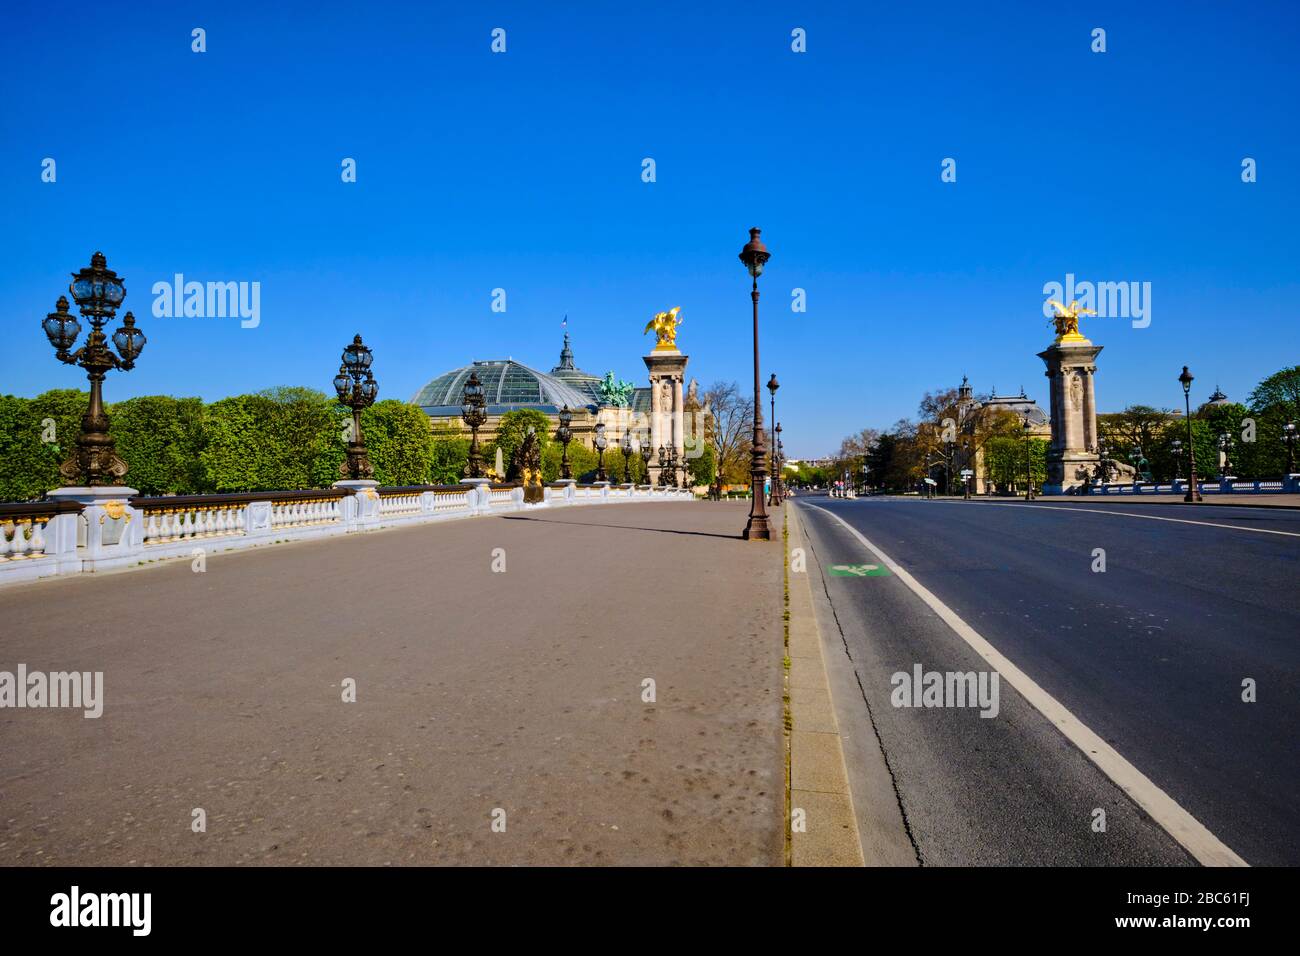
(83, 530)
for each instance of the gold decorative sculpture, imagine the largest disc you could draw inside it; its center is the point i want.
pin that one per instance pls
(1067, 321)
(665, 329)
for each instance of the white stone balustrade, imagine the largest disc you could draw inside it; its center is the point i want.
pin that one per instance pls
(64, 536)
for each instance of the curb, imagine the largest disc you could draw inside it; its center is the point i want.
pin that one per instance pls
(821, 825)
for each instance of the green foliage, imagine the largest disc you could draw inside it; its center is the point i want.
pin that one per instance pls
(448, 455)
(399, 441)
(161, 439)
(704, 469)
(512, 428)
(1004, 462)
(277, 439)
(1279, 394)
(36, 435)
(581, 460)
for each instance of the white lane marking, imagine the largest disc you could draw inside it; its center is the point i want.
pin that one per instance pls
(1208, 849)
(1129, 514)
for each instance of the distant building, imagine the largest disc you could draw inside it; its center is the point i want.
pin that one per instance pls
(1022, 406)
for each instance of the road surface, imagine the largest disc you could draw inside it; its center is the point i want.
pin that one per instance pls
(1150, 654)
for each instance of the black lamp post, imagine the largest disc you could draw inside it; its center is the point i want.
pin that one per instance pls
(473, 411)
(645, 456)
(1225, 446)
(601, 443)
(772, 386)
(1289, 439)
(565, 434)
(1029, 474)
(967, 464)
(627, 456)
(664, 481)
(1176, 449)
(1193, 495)
(98, 292)
(778, 463)
(947, 479)
(755, 256)
(356, 388)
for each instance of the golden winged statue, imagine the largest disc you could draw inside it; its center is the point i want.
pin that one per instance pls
(665, 329)
(1067, 320)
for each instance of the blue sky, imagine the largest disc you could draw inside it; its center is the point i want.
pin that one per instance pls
(522, 171)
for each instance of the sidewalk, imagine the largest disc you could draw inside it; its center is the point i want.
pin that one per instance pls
(476, 691)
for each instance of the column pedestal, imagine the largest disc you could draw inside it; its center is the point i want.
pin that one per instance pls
(1072, 454)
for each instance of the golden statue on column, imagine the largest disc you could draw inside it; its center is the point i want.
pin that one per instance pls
(1067, 321)
(665, 325)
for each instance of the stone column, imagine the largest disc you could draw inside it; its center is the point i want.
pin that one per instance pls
(1089, 410)
(1074, 419)
(666, 368)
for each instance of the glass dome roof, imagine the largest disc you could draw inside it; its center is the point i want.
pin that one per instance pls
(507, 385)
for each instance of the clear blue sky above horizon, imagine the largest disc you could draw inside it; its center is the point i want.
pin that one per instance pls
(523, 171)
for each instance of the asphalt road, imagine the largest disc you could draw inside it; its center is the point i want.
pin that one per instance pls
(1151, 655)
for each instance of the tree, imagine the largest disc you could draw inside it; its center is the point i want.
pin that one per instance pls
(36, 435)
(281, 438)
(161, 439)
(448, 454)
(399, 442)
(729, 431)
(511, 431)
(1279, 393)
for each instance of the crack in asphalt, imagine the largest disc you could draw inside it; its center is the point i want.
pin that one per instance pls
(871, 716)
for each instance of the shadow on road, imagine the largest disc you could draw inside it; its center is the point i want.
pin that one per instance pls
(625, 527)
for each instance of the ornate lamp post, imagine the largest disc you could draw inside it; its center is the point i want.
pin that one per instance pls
(98, 292)
(565, 434)
(1289, 439)
(778, 493)
(664, 480)
(1176, 449)
(772, 386)
(1225, 446)
(356, 389)
(601, 443)
(1029, 474)
(645, 456)
(1193, 495)
(755, 255)
(627, 456)
(473, 411)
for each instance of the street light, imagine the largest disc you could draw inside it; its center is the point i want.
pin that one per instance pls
(1193, 495)
(473, 411)
(1029, 477)
(663, 467)
(755, 255)
(1225, 446)
(601, 443)
(776, 457)
(772, 386)
(1289, 439)
(645, 456)
(1176, 449)
(565, 434)
(966, 461)
(627, 456)
(98, 292)
(356, 388)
